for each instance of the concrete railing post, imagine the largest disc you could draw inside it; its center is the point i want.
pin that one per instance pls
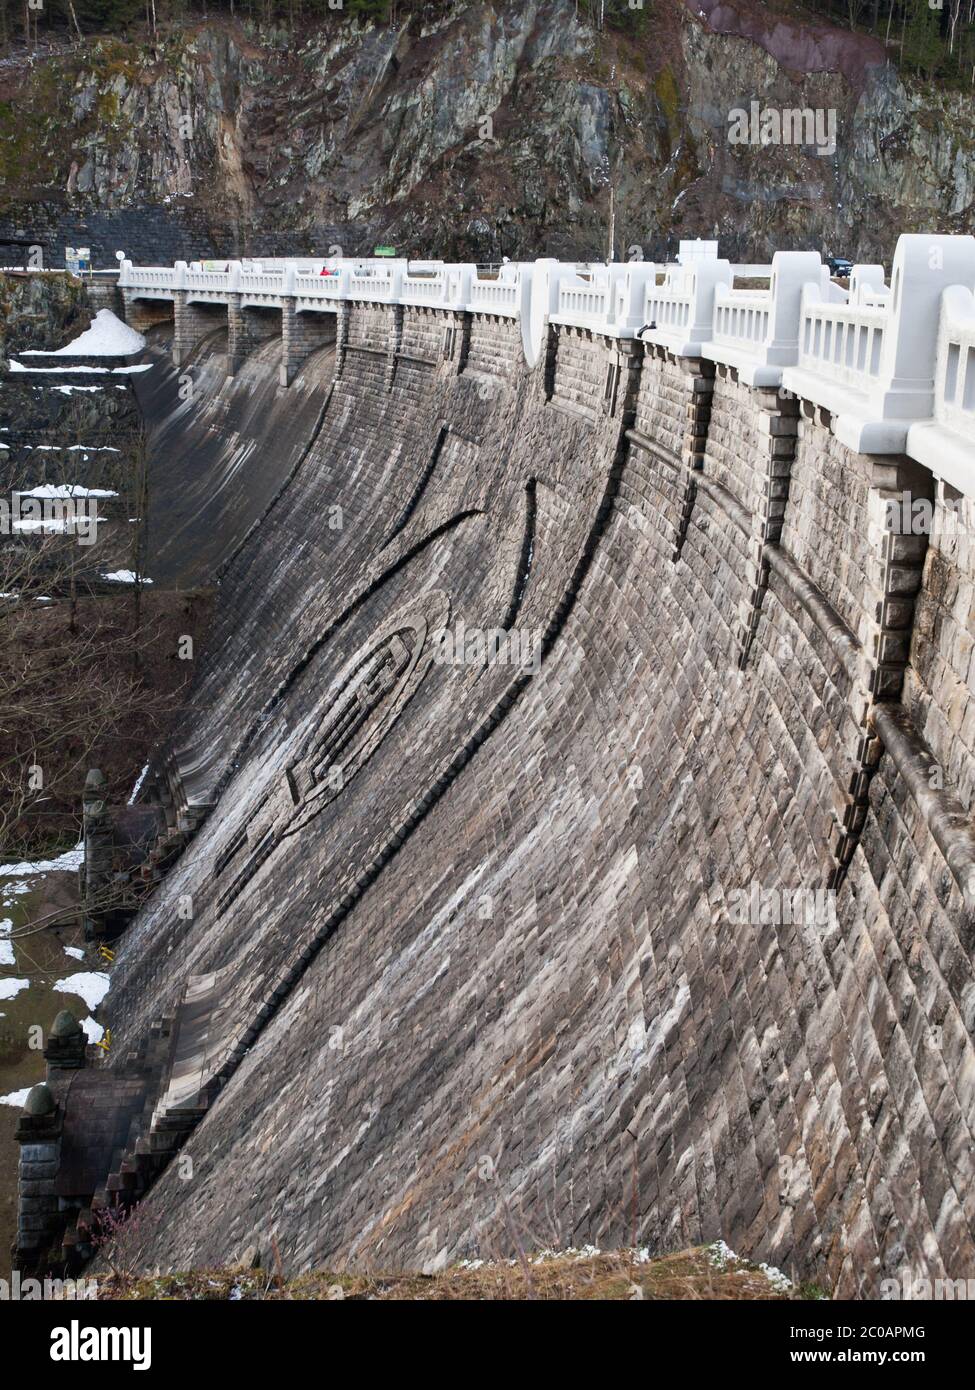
(790, 272)
(924, 267)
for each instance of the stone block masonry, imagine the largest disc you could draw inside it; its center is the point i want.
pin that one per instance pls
(143, 314)
(302, 334)
(534, 958)
(247, 328)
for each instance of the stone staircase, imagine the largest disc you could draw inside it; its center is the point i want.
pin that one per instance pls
(179, 1062)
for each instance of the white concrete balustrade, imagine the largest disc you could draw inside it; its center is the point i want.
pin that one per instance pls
(317, 291)
(497, 292)
(870, 356)
(757, 331)
(679, 313)
(843, 337)
(604, 298)
(893, 363)
(438, 286)
(954, 406)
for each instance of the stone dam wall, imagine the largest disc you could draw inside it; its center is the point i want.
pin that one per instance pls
(492, 983)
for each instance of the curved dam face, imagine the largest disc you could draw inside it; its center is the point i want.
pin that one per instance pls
(615, 915)
(213, 468)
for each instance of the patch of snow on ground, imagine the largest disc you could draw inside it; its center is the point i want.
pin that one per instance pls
(70, 448)
(52, 525)
(93, 1031)
(67, 490)
(126, 577)
(19, 367)
(108, 336)
(75, 952)
(9, 988)
(68, 862)
(6, 947)
(89, 985)
(115, 371)
(17, 1098)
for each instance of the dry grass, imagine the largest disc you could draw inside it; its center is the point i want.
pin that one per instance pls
(618, 1275)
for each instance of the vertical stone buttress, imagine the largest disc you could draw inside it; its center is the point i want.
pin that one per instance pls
(673, 411)
(247, 328)
(342, 318)
(395, 343)
(699, 376)
(777, 427)
(894, 574)
(192, 322)
(98, 838)
(456, 340)
(302, 333)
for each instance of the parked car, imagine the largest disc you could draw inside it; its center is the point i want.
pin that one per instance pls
(839, 266)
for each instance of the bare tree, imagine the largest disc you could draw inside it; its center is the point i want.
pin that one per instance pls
(68, 680)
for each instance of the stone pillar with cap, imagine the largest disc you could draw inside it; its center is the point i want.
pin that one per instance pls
(66, 1045)
(38, 1133)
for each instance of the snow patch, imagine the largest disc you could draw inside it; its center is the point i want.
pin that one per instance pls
(70, 448)
(721, 1255)
(108, 336)
(780, 1282)
(115, 371)
(94, 1032)
(89, 985)
(68, 862)
(126, 577)
(67, 490)
(16, 1098)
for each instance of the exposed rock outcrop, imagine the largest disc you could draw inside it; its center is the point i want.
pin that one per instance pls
(489, 130)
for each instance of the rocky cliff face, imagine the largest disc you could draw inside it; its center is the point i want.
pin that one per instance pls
(491, 129)
(40, 311)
